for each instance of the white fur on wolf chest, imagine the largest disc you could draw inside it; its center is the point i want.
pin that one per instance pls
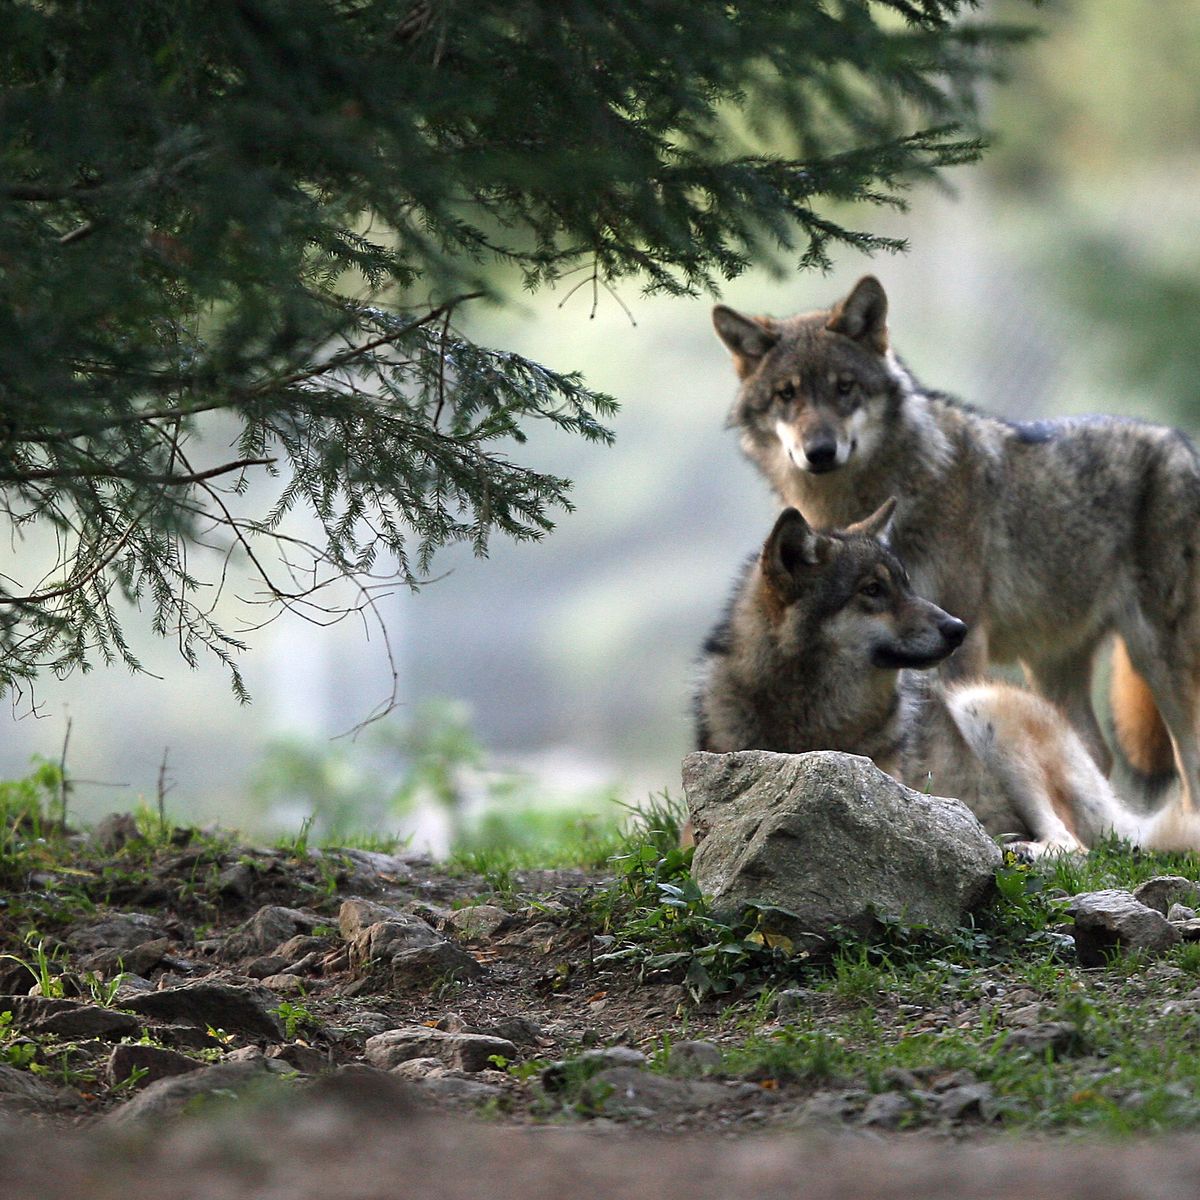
(831, 838)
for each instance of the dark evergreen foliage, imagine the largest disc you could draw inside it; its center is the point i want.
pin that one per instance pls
(259, 220)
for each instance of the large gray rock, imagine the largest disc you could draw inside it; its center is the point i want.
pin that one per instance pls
(832, 839)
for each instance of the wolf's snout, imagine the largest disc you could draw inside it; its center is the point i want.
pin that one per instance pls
(821, 453)
(953, 631)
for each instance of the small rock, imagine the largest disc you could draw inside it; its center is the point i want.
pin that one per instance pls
(69, 1018)
(419, 1068)
(790, 1001)
(168, 1097)
(700, 1057)
(21, 1092)
(155, 1062)
(269, 927)
(971, 1100)
(305, 1059)
(532, 935)
(902, 1080)
(1164, 890)
(302, 946)
(1114, 919)
(478, 921)
(268, 964)
(237, 881)
(115, 831)
(356, 915)
(468, 1052)
(520, 1030)
(1180, 912)
(137, 961)
(1030, 1014)
(1189, 930)
(888, 1110)
(454, 1088)
(632, 1092)
(117, 931)
(245, 1010)
(15, 978)
(285, 985)
(832, 1108)
(1059, 1037)
(412, 950)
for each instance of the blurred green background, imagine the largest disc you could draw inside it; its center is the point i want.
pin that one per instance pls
(1060, 276)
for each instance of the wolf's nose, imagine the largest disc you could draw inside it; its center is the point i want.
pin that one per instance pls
(952, 630)
(822, 453)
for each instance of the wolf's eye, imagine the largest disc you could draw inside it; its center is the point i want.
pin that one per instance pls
(872, 589)
(787, 392)
(845, 387)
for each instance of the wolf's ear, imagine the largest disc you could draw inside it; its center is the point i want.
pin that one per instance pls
(863, 315)
(879, 523)
(746, 338)
(791, 546)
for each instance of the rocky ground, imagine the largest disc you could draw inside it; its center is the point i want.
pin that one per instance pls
(144, 979)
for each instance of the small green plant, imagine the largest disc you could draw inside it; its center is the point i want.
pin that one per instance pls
(39, 964)
(294, 1017)
(136, 1074)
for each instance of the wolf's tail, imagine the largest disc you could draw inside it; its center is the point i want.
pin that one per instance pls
(1141, 734)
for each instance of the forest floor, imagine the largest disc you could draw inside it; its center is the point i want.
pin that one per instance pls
(149, 971)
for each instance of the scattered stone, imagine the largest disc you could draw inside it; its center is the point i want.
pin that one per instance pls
(1029, 1014)
(305, 1059)
(889, 1110)
(419, 1068)
(1164, 890)
(15, 978)
(1179, 913)
(532, 935)
(468, 1052)
(356, 915)
(520, 1030)
(1114, 920)
(169, 1097)
(245, 1009)
(155, 1063)
(117, 931)
(700, 1057)
(970, 1100)
(269, 927)
(1059, 1037)
(115, 831)
(412, 950)
(558, 1074)
(832, 841)
(137, 961)
(69, 1018)
(632, 1092)
(268, 964)
(284, 985)
(302, 946)
(237, 881)
(21, 1092)
(789, 1001)
(478, 921)
(455, 1088)
(1189, 930)
(833, 1108)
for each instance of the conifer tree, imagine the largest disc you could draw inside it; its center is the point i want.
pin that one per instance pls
(239, 236)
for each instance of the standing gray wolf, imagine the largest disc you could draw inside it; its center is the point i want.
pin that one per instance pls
(822, 648)
(1044, 536)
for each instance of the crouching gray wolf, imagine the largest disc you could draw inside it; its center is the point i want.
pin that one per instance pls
(1043, 536)
(821, 649)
